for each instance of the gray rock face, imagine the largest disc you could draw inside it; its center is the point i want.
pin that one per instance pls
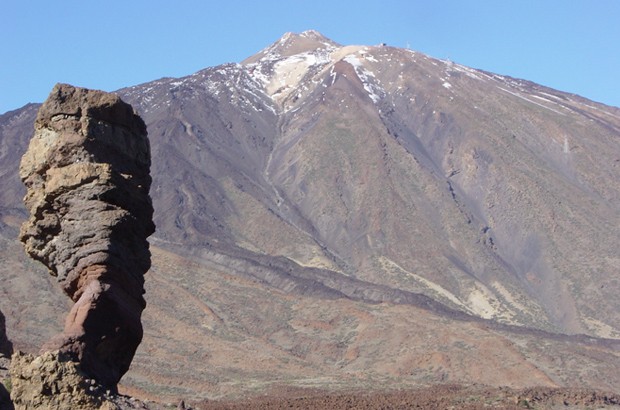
(87, 177)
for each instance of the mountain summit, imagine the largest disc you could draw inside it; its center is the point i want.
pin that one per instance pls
(364, 215)
(291, 44)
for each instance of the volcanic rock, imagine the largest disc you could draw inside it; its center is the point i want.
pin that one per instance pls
(51, 381)
(87, 177)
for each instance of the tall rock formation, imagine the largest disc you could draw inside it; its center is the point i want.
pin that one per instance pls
(87, 174)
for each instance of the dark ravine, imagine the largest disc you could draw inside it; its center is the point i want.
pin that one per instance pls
(87, 177)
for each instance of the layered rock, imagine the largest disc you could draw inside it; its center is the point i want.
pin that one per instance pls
(87, 174)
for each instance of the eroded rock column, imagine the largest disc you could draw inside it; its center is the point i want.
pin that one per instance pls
(87, 177)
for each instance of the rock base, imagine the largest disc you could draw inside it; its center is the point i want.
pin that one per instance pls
(51, 382)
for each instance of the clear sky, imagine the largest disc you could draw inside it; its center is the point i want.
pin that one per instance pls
(571, 45)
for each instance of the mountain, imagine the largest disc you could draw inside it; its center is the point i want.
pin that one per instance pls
(351, 216)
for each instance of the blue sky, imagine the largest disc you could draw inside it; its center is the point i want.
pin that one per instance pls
(571, 45)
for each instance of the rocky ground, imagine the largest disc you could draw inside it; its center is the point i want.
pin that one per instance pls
(435, 397)
(448, 396)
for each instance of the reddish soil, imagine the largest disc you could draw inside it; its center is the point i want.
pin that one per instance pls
(436, 397)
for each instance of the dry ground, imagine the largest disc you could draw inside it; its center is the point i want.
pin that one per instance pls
(435, 397)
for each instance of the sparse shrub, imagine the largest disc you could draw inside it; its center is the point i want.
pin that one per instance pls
(7, 385)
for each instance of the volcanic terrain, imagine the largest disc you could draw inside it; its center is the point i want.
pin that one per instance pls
(358, 218)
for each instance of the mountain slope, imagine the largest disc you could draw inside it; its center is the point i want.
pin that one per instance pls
(356, 214)
(495, 196)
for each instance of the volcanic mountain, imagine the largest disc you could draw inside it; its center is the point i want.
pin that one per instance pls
(351, 216)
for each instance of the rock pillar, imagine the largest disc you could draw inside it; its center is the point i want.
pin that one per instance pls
(87, 174)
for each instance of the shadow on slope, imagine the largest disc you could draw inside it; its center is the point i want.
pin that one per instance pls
(6, 347)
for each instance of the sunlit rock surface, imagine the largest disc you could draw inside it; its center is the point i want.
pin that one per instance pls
(87, 177)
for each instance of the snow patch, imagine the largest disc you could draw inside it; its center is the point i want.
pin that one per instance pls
(280, 77)
(367, 77)
(530, 101)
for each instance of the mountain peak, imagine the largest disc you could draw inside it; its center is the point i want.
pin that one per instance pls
(314, 35)
(308, 40)
(293, 43)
